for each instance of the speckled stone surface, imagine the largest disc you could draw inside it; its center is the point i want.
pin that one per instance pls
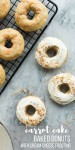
(34, 78)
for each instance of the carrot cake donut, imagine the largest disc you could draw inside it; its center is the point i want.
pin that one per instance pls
(31, 110)
(62, 88)
(51, 53)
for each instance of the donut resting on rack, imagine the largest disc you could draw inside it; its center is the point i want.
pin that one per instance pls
(2, 75)
(4, 8)
(38, 20)
(17, 42)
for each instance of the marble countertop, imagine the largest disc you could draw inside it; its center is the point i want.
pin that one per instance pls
(34, 78)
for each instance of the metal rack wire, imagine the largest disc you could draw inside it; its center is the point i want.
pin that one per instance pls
(30, 38)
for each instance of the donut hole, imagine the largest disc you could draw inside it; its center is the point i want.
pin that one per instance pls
(30, 14)
(8, 43)
(64, 88)
(52, 51)
(30, 110)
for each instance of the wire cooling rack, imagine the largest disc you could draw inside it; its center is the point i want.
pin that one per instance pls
(30, 38)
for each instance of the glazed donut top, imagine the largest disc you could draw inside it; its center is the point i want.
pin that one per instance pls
(37, 117)
(62, 80)
(2, 75)
(4, 7)
(47, 44)
(17, 44)
(39, 19)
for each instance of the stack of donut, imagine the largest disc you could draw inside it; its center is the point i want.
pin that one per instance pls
(22, 20)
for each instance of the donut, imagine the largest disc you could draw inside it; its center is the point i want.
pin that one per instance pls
(39, 19)
(13, 52)
(25, 105)
(4, 8)
(2, 75)
(62, 88)
(51, 53)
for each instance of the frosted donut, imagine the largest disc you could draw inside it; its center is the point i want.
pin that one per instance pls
(2, 75)
(17, 44)
(4, 7)
(28, 103)
(39, 19)
(62, 88)
(54, 46)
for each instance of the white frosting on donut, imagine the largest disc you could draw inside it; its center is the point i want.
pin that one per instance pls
(51, 62)
(39, 114)
(56, 94)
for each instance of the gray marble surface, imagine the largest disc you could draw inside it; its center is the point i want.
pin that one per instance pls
(34, 78)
